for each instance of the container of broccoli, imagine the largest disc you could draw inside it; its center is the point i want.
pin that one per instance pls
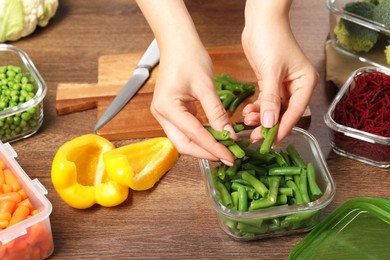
(361, 28)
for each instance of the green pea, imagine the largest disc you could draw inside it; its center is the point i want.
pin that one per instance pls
(9, 120)
(26, 116)
(10, 73)
(24, 80)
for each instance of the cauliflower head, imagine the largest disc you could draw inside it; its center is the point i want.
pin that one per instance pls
(19, 18)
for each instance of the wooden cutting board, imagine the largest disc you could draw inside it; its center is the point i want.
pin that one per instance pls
(135, 120)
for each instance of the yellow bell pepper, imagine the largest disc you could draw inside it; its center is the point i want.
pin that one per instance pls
(140, 165)
(79, 177)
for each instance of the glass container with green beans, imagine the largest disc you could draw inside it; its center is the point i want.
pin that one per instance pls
(279, 191)
(22, 91)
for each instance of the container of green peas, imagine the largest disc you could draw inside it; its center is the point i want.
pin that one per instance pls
(267, 194)
(22, 91)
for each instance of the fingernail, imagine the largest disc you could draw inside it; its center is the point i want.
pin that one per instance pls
(233, 134)
(268, 119)
(226, 162)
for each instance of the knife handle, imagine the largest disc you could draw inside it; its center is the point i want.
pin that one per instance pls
(151, 56)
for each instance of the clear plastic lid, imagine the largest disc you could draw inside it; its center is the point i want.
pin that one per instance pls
(358, 229)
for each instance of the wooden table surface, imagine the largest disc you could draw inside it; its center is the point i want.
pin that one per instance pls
(173, 220)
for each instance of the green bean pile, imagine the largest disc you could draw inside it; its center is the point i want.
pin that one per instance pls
(16, 89)
(266, 178)
(232, 92)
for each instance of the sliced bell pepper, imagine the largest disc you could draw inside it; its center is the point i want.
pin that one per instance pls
(140, 165)
(79, 176)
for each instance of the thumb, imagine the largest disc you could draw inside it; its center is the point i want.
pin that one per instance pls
(215, 112)
(269, 102)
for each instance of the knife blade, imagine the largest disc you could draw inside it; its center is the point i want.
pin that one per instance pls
(140, 75)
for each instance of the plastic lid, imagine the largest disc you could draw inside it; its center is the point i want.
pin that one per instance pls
(358, 229)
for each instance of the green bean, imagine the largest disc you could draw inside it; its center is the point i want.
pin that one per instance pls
(227, 99)
(244, 144)
(260, 204)
(266, 158)
(227, 142)
(281, 199)
(232, 170)
(295, 156)
(256, 183)
(238, 128)
(234, 196)
(286, 191)
(241, 97)
(297, 192)
(298, 217)
(242, 198)
(269, 135)
(221, 173)
(260, 171)
(288, 170)
(236, 150)
(311, 176)
(280, 160)
(243, 227)
(286, 157)
(273, 188)
(303, 187)
(225, 195)
(219, 135)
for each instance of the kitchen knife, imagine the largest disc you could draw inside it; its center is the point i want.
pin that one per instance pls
(141, 73)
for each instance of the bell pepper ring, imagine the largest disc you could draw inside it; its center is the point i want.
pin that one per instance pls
(141, 165)
(79, 176)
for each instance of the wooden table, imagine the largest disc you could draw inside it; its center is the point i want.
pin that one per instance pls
(173, 220)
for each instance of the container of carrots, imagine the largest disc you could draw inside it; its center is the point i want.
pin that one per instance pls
(25, 231)
(359, 117)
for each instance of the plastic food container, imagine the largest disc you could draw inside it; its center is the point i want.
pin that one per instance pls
(358, 229)
(32, 237)
(375, 55)
(309, 150)
(352, 143)
(25, 119)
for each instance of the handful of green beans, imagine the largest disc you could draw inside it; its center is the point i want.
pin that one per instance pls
(232, 92)
(16, 89)
(265, 178)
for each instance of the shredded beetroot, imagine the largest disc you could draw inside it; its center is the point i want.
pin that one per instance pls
(367, 105)
(366, 108)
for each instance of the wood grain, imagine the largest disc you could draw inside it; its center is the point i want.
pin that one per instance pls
(173, 220)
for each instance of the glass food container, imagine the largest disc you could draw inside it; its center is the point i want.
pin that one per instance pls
(265, 218)
(351, 142)
(19, 119)
(347, 28)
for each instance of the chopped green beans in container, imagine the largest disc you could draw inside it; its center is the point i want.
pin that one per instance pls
(270, 191)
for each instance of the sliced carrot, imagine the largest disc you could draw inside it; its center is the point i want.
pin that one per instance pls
(20, 214)
(34, 212)
(6, 188)
(26, 202)
(5, 216)
(2, 178)
(11, 180)
(23, 194)
(2, 165)
(7, 206)
(3, 223)
(11, 196)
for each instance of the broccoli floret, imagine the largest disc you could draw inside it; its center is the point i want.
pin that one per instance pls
(353, 36)
(381, 13)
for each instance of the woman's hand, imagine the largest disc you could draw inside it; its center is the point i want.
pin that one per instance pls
(285, 76)
(186, 76)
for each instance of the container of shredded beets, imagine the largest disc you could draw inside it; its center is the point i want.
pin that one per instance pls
(359, 117)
